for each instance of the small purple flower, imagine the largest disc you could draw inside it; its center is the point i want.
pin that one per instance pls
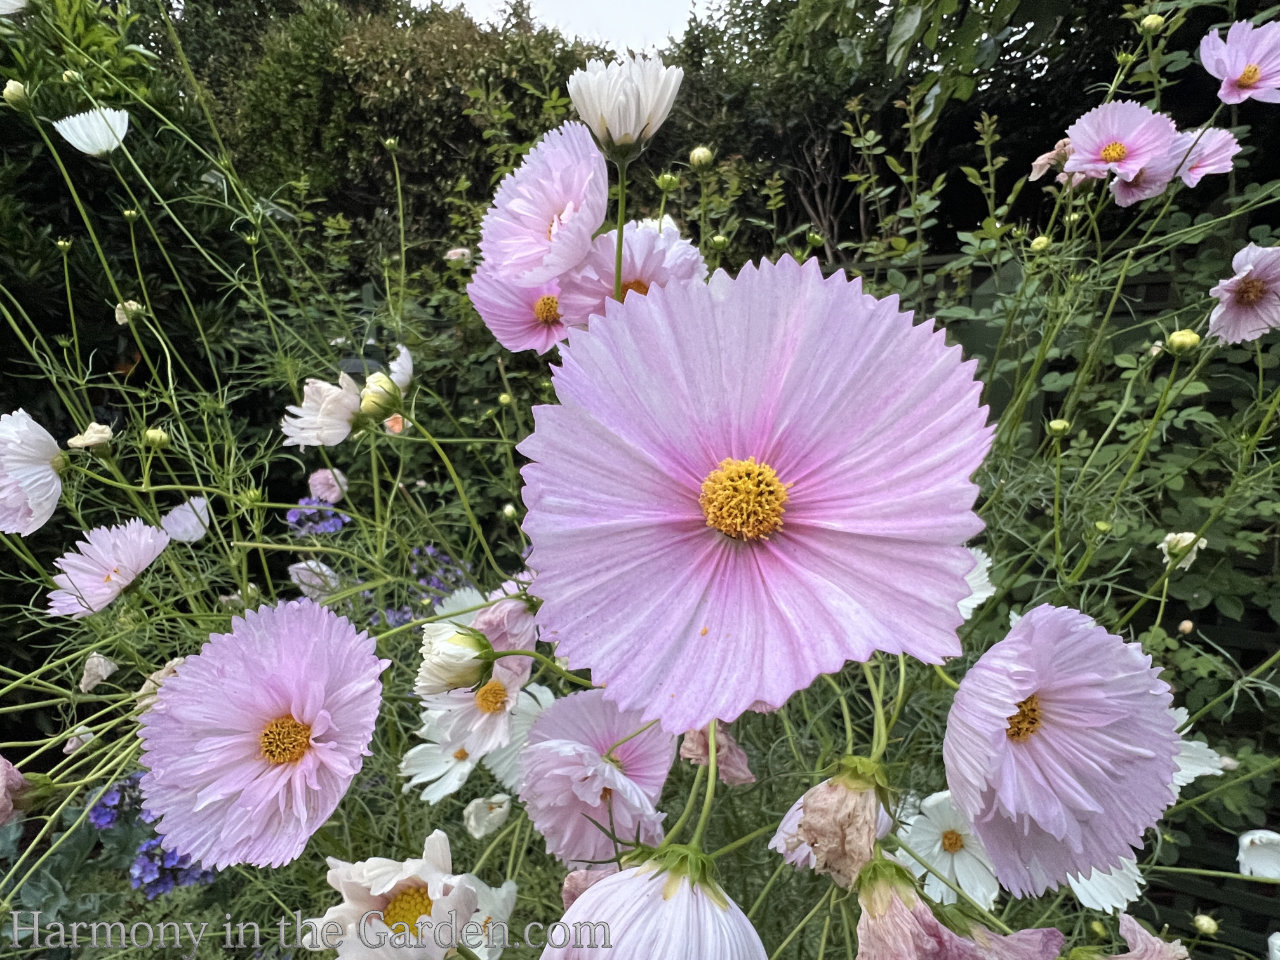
(156, 871)
(120, 799)
(315, 517)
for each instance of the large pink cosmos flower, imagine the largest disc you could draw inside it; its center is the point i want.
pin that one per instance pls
(748, 483)
(1060, 748)
(653, 255)
(519, 317)
(576, 769)
(1202, 152)
(1247, 62)
(29, 481)
(253, 743)
(1120, 137)
(106, 561)
(1249, 302)
(547, 210)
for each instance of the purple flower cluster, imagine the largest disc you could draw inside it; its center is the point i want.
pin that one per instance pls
(156, 872)
(120, 799)
(314, 517)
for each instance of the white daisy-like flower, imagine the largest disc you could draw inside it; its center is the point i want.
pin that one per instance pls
(187, 522)
(393, 908)
(94, 434)
(400, 368)
(96, 669)
(493, 910)
(316, 580)
(1108, 891)
(106, 561)
(480, 720)
(1181, 545)
(9, 7)
(29, 483)
(1259, 854)
(440, 771)
(1195, 758)
(942, 835)
(625, 102)
(483, 815)
(325, 415)
(95, 132)
(981, 589)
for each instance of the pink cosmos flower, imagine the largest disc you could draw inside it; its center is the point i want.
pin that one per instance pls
(547, 210)
(1060, 748)
(519, 317)
(897, 925)
(508, 624)
(328, 484)
(705, 449)
(578, 881)
(652, 256)
(1120, 137)
(1054, 158)
(106, 561)
(251, 746)
(384, 899)
(1146, 946)
(1204, 151)
(29, 481)
(187, 522)
(651, 913)
(1249, 302)
(731, 760)
(12, 785)
(576, 769)
(1152, 179)
(325, 416)
(1247, 62)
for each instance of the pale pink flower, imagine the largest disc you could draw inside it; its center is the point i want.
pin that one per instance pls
(1203, 152)
(519, 317)
(1247, 62)
(731, 760)
(1054, 158)
(578, 881)
(29, 481)
(103, 564)
(328, 484)
(96, 669)
(1120, 137)
(325, 415)
(1147, 946)
(12, 785)
(1249, 302)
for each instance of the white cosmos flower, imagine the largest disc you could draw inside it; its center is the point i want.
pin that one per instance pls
(1174, 545)
(1194, 759)
(945, 839)
(187, 522)
(94, 434)
(1108, 891)
(624, 103)
(981, 588)
(95, 132)
(9, 7)
(1259, 854)
(400, 368)
(29, 483)
(483, 815)
(442, 770)
(325, 416)
(493, 910)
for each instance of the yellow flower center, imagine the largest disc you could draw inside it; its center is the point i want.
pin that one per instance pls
(1250, 76)
(952, 842)
(285, 740)
(743, 499)
(1249, 291)
(492, 697)
(547, 309)
(1026, 721)
(406, 907)
(460, 754)
(1114, 152)
(107, 578)
(639, 286)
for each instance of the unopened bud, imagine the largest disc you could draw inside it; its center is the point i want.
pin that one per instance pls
(1152, 23)
(380, 396)
(129, 214)
(1040, 244)
(700, 157)
(391, 143)
(813, 238)
(505, 399)
(1185, 627)
(1102, 526)
(71, 76)
(251, 239)
(63, 244)
(1124, 58)
(15, 94)
(155, 437)
(719, 242)
(667, 182)
(127, 311)
(509, 511)
(1059, 428)
(1183, 341)
(1205, 924)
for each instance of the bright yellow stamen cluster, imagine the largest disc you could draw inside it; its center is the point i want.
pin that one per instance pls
(547, 309)
(1250, 76)
(460, 754)
(1114, 152)
(952, 841)
(638, 286)
(1026, 721)
(492, 697)
(285, 740)
(407, 907)
(1249, 291)
(743, 499)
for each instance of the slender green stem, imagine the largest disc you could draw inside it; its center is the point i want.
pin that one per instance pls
(795, 932)
(707, 801)
(844, 712)
(622, 219)
(743, 841)
(687, 813)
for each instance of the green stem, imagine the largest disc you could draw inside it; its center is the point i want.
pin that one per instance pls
(743, 841)
(705, 817)
(688, 807)
(622, 214)
(844, 711)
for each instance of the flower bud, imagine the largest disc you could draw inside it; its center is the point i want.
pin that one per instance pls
(380, 396)
(700, 157)
(94, 434)
(813, 238)
(1151, 24)
(127, 311)
(71, 76)
(509, 511)
(1205, 924)
(155, 437)
(457, 253)
(1059, 428)
(1124, 58)
(63, 244)
(1185, 627)
(450, 659)
(719, 242)
(15, 94)
(391, 143)
(505, 399)
(1099, 930)
(667, 182)
(1040, 244)
(1183, 341)
(1102, 526)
